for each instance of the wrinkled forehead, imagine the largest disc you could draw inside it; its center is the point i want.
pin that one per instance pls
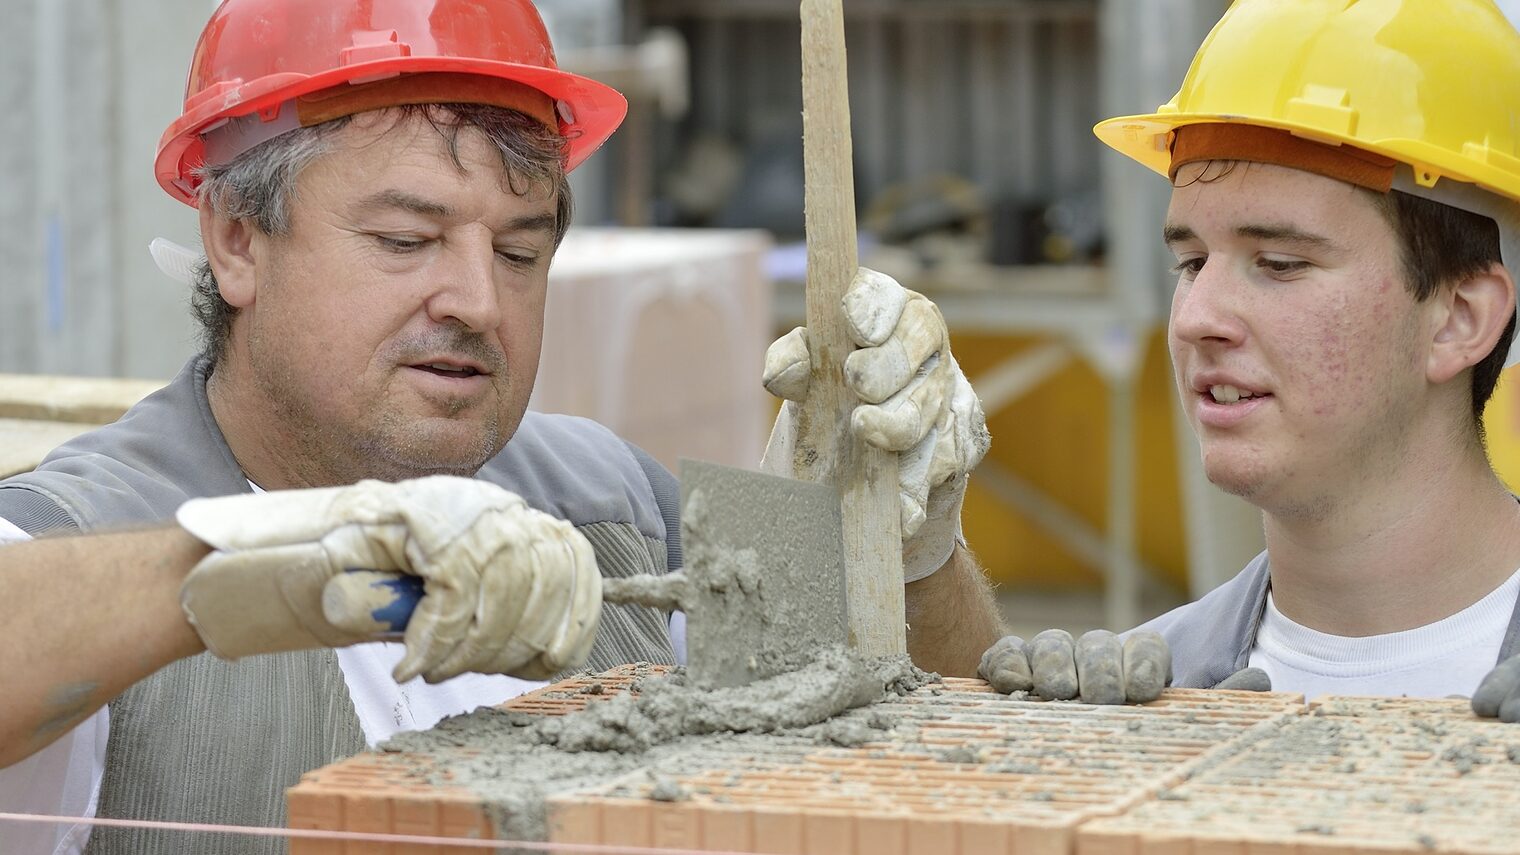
(427, 147)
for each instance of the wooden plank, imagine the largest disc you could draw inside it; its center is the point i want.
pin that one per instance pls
(24, 442)
(92, 400)
(826, 450)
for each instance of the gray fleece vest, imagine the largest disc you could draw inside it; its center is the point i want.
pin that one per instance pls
(1212, 637)
(209, 741)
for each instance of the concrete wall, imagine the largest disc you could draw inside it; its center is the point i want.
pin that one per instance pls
(86, 92)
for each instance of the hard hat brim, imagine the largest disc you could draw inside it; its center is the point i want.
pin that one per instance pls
(1147, 139)
(596, 109)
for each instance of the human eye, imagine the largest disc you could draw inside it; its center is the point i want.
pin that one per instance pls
(517, 257)
(1282, 268)
(1188, 268)
(399, 244)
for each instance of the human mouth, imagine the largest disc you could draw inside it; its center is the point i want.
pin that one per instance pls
(446, 369)
(1226, 405)
(454, 378)
(1223, 393)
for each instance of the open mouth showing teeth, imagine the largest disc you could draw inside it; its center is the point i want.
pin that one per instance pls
(447, 370)
(1229, 394)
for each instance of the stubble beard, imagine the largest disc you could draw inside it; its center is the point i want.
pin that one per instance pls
(382, 443)
(409, 450)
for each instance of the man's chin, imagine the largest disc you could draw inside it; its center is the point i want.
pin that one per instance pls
(1240, 488)
(1246, 482)
(423, 451)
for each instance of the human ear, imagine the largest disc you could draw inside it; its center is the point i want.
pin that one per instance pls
(230, 251)
(1473, 316)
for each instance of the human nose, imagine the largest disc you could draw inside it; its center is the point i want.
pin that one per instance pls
(1206, 309)
(467, 290)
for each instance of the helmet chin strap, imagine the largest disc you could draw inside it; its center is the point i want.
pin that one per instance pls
(1474, 199)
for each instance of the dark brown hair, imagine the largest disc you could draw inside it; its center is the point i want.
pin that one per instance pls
(1441, 246)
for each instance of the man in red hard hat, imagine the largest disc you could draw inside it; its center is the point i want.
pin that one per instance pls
(1345, 215)
(381, 188)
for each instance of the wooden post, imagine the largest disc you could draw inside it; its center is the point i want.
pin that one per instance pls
(826, 451)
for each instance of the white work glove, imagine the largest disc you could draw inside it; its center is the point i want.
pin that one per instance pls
(509, 589)
(918, 403)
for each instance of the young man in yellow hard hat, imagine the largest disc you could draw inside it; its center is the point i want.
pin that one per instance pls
(1344, 218)
(381, 188)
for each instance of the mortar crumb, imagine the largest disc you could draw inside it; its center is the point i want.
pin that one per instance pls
(666, 790)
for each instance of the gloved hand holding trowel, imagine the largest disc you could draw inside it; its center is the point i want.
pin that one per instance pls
(472, 579)
(510, 589)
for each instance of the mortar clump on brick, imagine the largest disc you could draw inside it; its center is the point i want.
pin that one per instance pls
(669, 728)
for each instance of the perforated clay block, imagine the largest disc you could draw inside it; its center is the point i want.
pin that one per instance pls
(409, 793)
(949, 768)
(1356, 776)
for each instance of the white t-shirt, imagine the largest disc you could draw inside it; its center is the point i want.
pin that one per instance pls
(64, 778)
(1448, 657)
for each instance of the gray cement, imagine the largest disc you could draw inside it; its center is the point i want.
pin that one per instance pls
(764, 594)
(671, 729)
(764, 586)
(669, 592)
(765, 560)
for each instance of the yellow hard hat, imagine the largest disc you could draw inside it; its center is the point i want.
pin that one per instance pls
(1432, 84)
(1421, 96)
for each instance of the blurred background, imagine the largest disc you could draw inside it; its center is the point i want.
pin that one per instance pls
(978, 183)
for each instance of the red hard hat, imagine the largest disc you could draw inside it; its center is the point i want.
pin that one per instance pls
(257, 61)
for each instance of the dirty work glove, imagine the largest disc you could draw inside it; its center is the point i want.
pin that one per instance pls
(917, 403)
(1246, 680)
(1097, 668)
(1498, 696)
(509, 589)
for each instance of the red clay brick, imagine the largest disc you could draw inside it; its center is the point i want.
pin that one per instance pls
(1358, 776)
(965, 770)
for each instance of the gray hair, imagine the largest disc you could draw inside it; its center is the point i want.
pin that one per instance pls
(260, 184)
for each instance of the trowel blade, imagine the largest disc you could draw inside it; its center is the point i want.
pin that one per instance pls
(765, 556)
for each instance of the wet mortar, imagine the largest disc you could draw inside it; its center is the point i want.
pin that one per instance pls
(1345, 775)
(868, 737)
(669, 729)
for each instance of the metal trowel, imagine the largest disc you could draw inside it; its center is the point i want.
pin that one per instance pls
(763, 586)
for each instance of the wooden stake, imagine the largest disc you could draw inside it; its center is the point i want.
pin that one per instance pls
(826, 450)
